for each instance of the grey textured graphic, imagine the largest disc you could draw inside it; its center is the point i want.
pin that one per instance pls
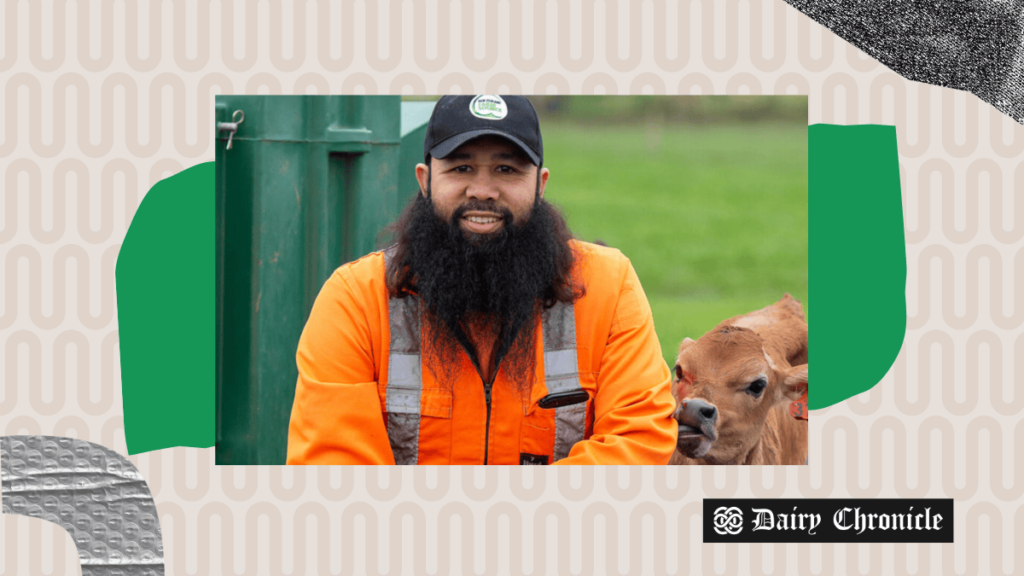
(94, 493)
(964, 44)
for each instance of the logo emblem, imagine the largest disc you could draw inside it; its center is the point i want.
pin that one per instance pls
(488, 107)
(728, 520)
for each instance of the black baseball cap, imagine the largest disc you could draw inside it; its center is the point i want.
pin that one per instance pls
(458, 119)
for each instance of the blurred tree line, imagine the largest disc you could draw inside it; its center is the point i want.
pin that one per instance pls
(674, 109)
(671, 109)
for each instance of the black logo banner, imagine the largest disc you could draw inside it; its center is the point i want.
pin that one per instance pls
(828, 520)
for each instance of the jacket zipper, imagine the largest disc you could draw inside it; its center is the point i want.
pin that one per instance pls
(487, 429)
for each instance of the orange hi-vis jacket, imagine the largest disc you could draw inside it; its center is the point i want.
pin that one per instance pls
(349, 410)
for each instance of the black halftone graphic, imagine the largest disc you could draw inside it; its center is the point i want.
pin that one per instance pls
(977, 46)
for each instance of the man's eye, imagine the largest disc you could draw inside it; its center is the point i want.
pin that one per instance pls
(506, 169)
(462, 169)
(757, 387)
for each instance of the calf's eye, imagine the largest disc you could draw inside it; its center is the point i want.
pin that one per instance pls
(757, 387)
(679, 372)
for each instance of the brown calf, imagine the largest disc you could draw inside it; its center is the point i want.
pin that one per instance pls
(734, 386)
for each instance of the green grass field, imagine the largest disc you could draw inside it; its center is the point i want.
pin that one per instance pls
(713, 218)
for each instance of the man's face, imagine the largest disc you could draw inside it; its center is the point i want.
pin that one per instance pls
(488, 171)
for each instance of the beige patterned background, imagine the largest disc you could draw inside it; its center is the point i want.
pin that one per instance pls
(102, 99)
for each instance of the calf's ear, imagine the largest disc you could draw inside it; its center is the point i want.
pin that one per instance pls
(686, 343)
(795, 383)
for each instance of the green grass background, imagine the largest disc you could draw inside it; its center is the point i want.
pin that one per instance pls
(713, 217)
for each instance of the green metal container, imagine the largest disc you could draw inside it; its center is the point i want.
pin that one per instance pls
(308, 184)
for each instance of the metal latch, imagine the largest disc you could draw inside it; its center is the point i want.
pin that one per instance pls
(231, 127)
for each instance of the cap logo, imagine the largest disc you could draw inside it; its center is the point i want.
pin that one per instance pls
(488, 107)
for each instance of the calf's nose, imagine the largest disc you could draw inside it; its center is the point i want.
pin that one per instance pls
(697, 413)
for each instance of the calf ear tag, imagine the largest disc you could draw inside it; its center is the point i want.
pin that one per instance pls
(798, 408)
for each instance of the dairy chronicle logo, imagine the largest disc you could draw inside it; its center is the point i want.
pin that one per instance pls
(728, 520)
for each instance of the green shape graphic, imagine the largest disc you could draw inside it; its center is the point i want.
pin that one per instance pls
(857, 258)
(165, 310)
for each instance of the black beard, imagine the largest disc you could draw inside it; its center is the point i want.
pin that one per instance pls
(497, 282)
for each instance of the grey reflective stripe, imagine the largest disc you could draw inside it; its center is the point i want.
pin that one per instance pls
(405, 379)
(561, 374)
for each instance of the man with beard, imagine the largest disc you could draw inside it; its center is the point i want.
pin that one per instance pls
(485, 334)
